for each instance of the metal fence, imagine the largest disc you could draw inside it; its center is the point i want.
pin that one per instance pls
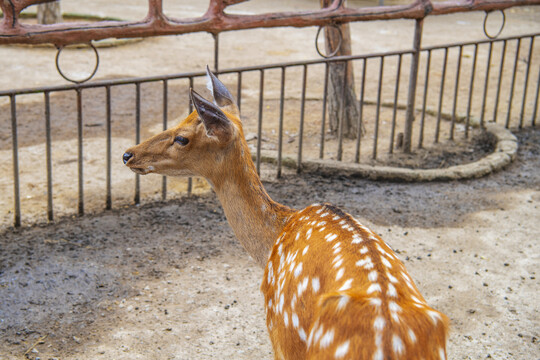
(460, 85)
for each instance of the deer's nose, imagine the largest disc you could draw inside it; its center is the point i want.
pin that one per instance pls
(126, 157)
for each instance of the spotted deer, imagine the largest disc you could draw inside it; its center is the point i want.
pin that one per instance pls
(333, 288)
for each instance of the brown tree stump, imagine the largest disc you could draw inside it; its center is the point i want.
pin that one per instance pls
(342, 101)
(49, 13)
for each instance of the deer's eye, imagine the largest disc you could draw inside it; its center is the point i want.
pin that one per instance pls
(181, 140)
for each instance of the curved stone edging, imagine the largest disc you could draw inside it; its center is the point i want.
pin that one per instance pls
(505, 152)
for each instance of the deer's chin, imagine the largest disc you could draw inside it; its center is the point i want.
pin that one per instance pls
(141, 171)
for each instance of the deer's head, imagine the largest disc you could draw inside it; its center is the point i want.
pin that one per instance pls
(196, 146)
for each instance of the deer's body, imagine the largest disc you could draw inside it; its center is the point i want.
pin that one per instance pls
(333, 288)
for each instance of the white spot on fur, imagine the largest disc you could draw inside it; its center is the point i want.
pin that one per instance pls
(308, 234)
(330, 237)
(346, 286)
(434, 316)
(295, 320)
(364, 261)
(315, 284)
(397, 345)
(412, 336)
(394, 307)
(335, 218)
(441, 354)
(303, 286)
(373, 287)
(378, 324)
(386, 263)
(375, 301)
(378, 355)
(356, 239)
(327, 339)
(302, 334)
(338, 263)
(344, 299)
(391, 291)
(340, 273)
(363, 250)
(391, 278)
(286, 318)
(318, 335)
(305, 250)
(298, 270)
(372, 276)
(342, 350)
(297, 235)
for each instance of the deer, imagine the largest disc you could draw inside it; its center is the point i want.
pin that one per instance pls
(333, 289)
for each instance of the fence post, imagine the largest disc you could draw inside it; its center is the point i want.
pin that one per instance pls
(413, 77)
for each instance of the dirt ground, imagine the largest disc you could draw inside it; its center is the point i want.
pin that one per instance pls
(167, 280)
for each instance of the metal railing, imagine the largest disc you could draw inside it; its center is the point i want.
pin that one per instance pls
(502, 75)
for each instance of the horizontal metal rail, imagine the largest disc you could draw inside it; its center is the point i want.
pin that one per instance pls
(187, 75)
(216, 20)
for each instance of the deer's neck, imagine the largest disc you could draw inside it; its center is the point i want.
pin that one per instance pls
(256, 219)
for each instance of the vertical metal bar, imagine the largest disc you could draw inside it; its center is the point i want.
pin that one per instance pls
(456, 93)
(165, 120)
(190, 180)
(108, 199)
(512, 86)
(80, 151)
(501, 68)
(378, 110)
(239, 91)
(48, 157)
(424, 101)
(413, 77)
(471, 90)
(441, 97)
(488, 67)
(341, 120)
(280, 130)
(16, 180)
(259, 125)
(137, 198)
(323, 122)
(535, 109)
(394, 113)
(526, 84)
(301, 132)
(216, 51)
(360, 112)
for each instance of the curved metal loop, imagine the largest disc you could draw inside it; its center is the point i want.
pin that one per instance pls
(73, 80)
(502, 25)
(333, 53)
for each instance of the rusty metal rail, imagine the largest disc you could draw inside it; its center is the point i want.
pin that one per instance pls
(217, 20)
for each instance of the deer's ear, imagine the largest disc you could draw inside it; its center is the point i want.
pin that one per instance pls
(222, 96)
(215, 121)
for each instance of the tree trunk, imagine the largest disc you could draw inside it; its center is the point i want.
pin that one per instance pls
(341, 91)
(49, 13)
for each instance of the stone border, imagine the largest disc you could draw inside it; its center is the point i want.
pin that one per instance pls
(505, 152)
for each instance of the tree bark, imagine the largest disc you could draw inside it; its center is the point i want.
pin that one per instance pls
(49, 13)
(342, 101)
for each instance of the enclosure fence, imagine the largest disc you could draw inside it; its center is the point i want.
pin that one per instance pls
(492, 94)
